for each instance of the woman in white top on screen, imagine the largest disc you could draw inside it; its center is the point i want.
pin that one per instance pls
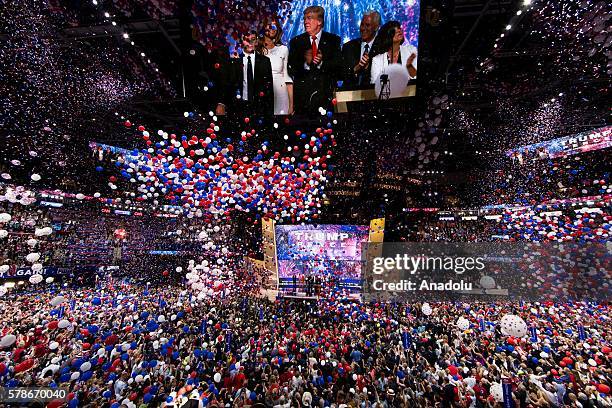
(389, 48)
(270, 46)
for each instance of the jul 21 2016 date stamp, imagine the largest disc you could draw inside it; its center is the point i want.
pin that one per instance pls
(31, 394)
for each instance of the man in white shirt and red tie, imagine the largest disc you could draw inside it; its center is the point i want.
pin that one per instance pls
(247, 81)
(315, 63)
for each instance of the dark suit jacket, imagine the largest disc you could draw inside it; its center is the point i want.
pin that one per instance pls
(351, 54)
(314, 88)
(232, 78)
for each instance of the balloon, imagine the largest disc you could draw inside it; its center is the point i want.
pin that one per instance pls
(463, 323)
(426, 309)
(487, 282)
(497, 392)
(3, 233)
(34, 279)
(603, 388)
(57, 300)
(7, 340)
(217, 377)
(53, 345)
(513, 325)
(86, 366)
(33, 257)
(63, 324)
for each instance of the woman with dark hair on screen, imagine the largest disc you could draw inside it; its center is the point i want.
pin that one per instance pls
(271, 46)
(390, 49)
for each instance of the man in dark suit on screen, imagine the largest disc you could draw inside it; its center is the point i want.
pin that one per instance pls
(246, 82)
(315, 63)
(356, 53)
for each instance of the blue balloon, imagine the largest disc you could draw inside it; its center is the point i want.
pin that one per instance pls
(96, 301)
(74, 403)
(86, 375)
(147, 397)
(106, 394)
(115, 405)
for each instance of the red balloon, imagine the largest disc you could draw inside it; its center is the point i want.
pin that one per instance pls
(26, 365)
(452, 370)
(603, 388)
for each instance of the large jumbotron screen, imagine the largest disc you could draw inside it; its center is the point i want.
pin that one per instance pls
(342, 17)
(321, 250)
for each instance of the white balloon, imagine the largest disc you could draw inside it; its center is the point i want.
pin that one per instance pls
(3, 233)
(161, 318)
(37, 267)
(35, 177)
(487, 282)
(57, 300)
(5, 217)
(7, 340)
(32, 242)
(86, 366)
(75, 375)
(36, 278)
(463, 323)
(33, 257)
(3, 290)
(217, 377)
(49, 279)
(513, 325)
(4, 268)
(426, 309)
(63, 324)
(53, 345)
(497, 392)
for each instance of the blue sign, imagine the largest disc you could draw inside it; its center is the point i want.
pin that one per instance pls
(507, 390)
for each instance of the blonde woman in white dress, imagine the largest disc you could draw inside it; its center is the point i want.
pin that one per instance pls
(272, 47)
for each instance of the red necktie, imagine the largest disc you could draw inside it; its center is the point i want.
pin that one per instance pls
(314, 46)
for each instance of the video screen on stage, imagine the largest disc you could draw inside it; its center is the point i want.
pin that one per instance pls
(320, 250)
(373, 62)
(342, 17)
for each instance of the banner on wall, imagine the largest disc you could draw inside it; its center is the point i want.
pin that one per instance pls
(566, 146)
(25, 272)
